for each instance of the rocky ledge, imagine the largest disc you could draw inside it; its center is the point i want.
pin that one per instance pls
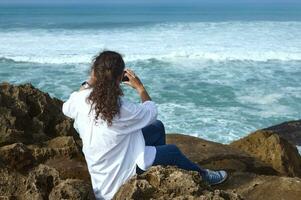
(41, 158)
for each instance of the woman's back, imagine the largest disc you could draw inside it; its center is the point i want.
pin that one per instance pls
(111, 152)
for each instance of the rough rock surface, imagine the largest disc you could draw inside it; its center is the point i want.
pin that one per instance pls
(291, 131)
(256, 187)
(250, 176)
(40, 151)
(16, 155)
(41, 158)
(71, 189)
(30, 116)
(273, 150)
(170, 183)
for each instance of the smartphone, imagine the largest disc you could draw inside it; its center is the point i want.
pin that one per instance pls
(84, 83)
(125, 78)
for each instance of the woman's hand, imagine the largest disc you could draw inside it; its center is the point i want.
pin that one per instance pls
(87, 84)
(134, 81)
(81, 88)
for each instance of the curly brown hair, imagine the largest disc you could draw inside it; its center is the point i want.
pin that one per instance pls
(107, 67)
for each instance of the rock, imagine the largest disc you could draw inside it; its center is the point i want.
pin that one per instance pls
(41, 181)
(173, 183)
(291, 131)
(61, 146)
(256, 187)
(273, 150)
(30, 116)
(218, 156)
(169, 183)
(70, 168)
(39, 148)
(16, 156)
(12, 183)
(8, 133)
(72, 189)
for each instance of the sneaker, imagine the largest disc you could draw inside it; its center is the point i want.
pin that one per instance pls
(215, 177)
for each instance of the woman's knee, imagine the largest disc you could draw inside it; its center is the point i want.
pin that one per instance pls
(160, 125)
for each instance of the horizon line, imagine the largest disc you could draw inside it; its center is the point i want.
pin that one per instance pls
(152, 3)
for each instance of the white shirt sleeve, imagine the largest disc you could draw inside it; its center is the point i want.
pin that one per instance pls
(137, 116)
(69, 107)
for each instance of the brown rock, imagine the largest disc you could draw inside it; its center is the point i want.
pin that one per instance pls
(169, 183)
(12, 183)
(33, 130)
(30, 116)
(72, 189)
(218, 156)
(291, 131)
(70, 168)
(62, 146)
(41, 181)
(62, 142)
(256, 187)
(17, 156)
(8, 133)
(273, 150)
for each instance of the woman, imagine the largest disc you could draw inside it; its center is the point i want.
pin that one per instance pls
(121, 138)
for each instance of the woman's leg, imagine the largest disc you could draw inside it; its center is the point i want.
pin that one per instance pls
(170, 154)
(154, 134)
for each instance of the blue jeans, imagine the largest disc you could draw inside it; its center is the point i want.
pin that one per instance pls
(167, 154)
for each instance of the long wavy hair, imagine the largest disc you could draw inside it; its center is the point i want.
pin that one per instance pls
(107, 67)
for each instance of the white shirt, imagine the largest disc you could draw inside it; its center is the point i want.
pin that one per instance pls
(112, 152)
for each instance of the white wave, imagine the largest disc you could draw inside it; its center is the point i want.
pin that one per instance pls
(50, 60)
(172, 57)
(264, 99)
(211, 123)
(217, 41)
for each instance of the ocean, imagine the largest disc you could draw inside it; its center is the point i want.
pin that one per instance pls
(217, 72)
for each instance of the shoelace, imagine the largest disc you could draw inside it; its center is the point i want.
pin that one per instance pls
(213, 176)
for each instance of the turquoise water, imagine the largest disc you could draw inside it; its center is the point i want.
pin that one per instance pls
(216, 72)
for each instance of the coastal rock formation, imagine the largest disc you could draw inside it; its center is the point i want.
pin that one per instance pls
(30, 116)
(40, 151)
(71, 189)
(170, 183)
(41, 158)
(256, 187)
(16, 156)
(251, 176)
(291, 131)
(273, 150)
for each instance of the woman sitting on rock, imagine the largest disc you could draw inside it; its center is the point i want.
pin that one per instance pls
(121, 138)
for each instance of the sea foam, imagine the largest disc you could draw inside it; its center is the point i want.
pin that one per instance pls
(217, 41)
